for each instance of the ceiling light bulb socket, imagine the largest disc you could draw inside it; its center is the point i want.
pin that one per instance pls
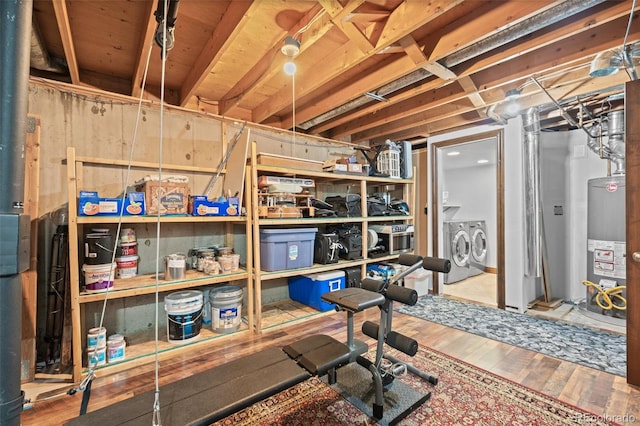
(291, 47)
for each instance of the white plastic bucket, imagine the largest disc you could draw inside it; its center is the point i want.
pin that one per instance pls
(116, 348)
(99, 277)
(96, 338)
(184, 315)
(127, 266)
(226, 308)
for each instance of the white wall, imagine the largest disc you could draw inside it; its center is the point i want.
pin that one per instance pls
(474, 190)
(513, 202)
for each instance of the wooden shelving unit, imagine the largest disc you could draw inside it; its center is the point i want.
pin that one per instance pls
(362, 184)
(141, 348)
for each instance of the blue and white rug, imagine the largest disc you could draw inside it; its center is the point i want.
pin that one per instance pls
(597, 349)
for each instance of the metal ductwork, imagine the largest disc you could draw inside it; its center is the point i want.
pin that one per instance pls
(40, 58)
(532, 202)
(557, 13)
(612, 126)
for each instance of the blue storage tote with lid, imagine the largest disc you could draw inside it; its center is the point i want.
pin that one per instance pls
(286, 248)
(308, 289)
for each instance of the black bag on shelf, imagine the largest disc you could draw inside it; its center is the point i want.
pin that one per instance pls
(326, 248)
(347, 206)
(353, 276)
(376, 206)
(350, 237)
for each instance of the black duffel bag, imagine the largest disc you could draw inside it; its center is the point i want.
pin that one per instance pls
(350, 237)
(347, 206)
(326, 248)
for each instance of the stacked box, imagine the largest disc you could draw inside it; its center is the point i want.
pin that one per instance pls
(200, 205)
(165, 198)
(90, 204)
(308, 289)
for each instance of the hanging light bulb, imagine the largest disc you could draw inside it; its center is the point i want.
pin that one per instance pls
(290, 68)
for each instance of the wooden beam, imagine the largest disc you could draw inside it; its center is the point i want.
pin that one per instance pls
(340, 16)
(496, 71)
(62, 18)
(416, 15)
(144, 50)
(471, 90)
(236, 17)
(271, 63)
(416, 54)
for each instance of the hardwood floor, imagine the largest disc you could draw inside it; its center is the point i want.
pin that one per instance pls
(598, 392)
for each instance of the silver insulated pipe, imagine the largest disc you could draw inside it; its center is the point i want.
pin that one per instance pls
(532, 203)
(614, 149)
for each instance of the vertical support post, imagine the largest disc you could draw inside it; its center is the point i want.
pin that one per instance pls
(15, 28)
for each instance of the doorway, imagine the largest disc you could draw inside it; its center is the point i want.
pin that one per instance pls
(468, 217)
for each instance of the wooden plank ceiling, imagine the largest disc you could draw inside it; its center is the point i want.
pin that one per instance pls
(434, 66)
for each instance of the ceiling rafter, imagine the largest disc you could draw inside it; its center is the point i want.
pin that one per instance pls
(491, 63)
(340, 16)
(267, 67)
(64, 27)
(235, 18)
(421, 60)
(144, 49)
(350, 55)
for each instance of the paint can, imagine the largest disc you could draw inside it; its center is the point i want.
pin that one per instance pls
(96, 357)
(96, 338)
(99, 277)
(127, 266)
(175, 266)
(127, 235)
(226, 308)
(116, 348)
(184, 315)
(98, 248)
(128, 249)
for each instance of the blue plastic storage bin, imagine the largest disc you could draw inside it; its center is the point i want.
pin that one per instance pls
(308, 289)
(286, 248)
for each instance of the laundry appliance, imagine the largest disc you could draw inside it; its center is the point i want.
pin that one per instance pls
(457, 247)
(478, 252)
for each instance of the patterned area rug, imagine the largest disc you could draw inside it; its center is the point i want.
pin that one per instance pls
(592, 348)
(464, 395)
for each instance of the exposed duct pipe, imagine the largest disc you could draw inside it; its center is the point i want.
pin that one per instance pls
(15, 26)
(557, 13)
(532, 203)
(614, 151)
(40, 58)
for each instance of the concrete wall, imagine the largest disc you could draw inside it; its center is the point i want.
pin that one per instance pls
(97, 125)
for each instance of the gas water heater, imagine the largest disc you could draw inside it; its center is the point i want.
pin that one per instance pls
(606, 247)
(606, 228)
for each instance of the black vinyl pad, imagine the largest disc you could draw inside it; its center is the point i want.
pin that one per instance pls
(354, 299)
(208, 396)
(319, 353)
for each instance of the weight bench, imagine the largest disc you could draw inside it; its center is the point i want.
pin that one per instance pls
(221, 391)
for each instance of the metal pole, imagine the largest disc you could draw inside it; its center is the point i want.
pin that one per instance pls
(15, 30)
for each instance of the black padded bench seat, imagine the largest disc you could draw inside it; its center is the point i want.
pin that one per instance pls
(216, 393)
(354, 299)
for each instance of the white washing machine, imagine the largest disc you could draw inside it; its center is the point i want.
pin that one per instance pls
(457, 247)
(478, 257)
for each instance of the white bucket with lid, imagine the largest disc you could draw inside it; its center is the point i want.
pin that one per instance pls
(99, 277)
(226, 308)
(127, 266)
(116, 348)
(184, 315)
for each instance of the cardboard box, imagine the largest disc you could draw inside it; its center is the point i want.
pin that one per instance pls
(354, 168)
(289, 162)
(90, 204)
(200, 205)
(172, 198)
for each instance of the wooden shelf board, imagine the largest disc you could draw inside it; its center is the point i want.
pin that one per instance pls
(163, 219)
(145, 284)
(142, 353)
(329, 176)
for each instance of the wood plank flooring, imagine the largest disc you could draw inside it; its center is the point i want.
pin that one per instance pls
(595, 391)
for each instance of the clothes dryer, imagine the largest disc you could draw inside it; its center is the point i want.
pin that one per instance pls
(457, 247)
(478, 255)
